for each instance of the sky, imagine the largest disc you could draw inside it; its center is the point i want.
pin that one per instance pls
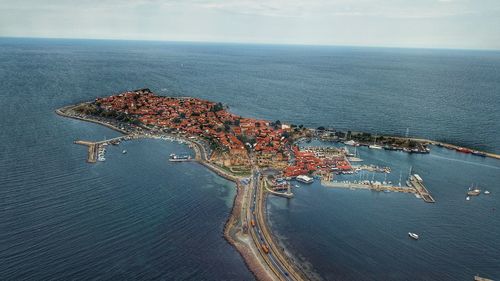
(465, 24)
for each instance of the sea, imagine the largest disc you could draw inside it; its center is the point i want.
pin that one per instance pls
(137, 216)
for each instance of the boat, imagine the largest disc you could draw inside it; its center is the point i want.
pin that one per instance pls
(413, 235)
(304, 179)
(479, 153)
(124, 151)
(473, 191)
(348, 153)
(354, 159)
(479, 278)
(486, 192)
(467, 198)
(463, 150)
(351, 143)
(375, 146)
(179, 158)
(388, 147)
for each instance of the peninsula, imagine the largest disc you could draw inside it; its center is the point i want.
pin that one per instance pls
(260, 156)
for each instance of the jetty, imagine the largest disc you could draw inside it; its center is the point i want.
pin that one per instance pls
(416, 182)
(368, 186)
(94, 147)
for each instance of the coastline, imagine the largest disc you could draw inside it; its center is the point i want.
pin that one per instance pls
(251, 260)
(234, 232)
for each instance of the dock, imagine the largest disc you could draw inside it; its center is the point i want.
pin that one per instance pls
(93, 147)
(92, 150)
(417, 183)
(415, 186)
(368, 186)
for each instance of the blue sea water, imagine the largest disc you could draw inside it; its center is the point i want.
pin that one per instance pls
(136, 216)
(348, 234)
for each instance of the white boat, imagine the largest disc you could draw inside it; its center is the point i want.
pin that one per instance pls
(486, 192)
(375, 145)
(354, 159)
(474, 192)
(304, 179)
(179, 158)
(351, 143)
(467, 198)
(124, 151)
(413, 235)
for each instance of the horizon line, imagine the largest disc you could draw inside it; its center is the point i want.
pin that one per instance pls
(253, 43)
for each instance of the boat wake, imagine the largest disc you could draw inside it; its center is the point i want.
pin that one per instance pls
(467, 162)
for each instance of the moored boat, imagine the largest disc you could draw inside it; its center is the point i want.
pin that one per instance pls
(304, 179)
(479, 153)
(179, 158)
(351, 143)
(463, 150)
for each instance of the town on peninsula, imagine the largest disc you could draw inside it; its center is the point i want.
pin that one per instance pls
(262, 157)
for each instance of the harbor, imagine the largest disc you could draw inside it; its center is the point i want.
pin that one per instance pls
(414, 185)
(96, 149)
(375, 186)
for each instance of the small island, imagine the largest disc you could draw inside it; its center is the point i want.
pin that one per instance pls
(260, 156)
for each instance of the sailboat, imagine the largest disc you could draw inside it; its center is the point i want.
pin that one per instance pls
(355, 157)
(347, 152)
(473, 191)
(374, 145)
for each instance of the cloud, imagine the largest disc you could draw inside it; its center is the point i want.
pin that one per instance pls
(361, 22)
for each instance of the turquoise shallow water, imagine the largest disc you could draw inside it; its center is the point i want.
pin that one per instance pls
(136, 216)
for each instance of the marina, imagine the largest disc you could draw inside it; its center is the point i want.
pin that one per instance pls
(96, 149)
(376, 186)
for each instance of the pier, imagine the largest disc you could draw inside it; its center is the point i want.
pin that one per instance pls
(368, 186)
(94, 147)
(92, 150)
(417, 183)
(415, 186)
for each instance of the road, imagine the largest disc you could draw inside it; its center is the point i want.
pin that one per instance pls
(275, 259)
